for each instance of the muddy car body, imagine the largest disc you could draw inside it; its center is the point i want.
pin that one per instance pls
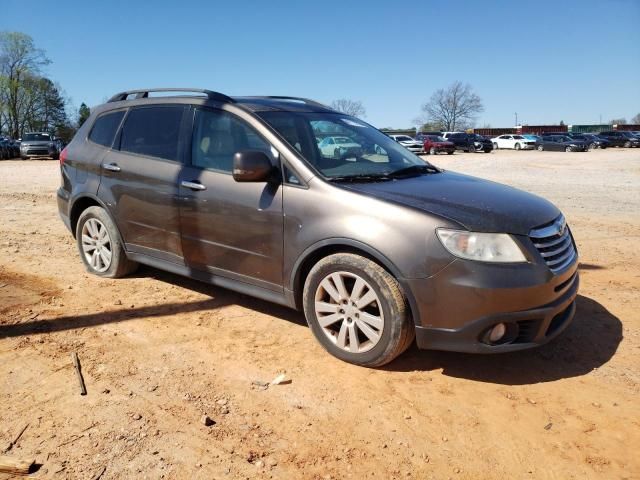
(376, 248)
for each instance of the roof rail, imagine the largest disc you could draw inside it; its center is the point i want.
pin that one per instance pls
(299, 99)
(144, 93)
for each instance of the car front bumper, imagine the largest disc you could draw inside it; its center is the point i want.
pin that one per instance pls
(456, 308)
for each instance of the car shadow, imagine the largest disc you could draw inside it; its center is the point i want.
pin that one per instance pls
(588, 343)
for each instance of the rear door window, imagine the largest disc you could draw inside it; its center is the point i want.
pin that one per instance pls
(105, 127)
(153, 131)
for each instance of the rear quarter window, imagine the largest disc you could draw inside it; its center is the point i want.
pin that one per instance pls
(105, 127)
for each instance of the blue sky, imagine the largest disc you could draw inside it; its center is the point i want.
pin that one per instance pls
(548, 61)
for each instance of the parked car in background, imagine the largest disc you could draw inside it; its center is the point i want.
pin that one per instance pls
(531, 136)
(619, 138)
(470, 142)
(5, 149)
(409, 143)
(516, 142)
(445, 135)
(16, 148)
(593, 140)
(38, 144)
(376, 250)
(339, 147)
(561, 143)
(434, 144)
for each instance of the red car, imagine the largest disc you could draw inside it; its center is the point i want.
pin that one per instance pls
(434, 144)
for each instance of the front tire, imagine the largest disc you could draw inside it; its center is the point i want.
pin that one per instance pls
(627, 144)
(517, 146)
(540, 148)
(432, 151)
(568, 149)
(495, 146)
(356, 310)
(100, 246)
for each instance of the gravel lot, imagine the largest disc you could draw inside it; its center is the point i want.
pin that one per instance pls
(159, 351)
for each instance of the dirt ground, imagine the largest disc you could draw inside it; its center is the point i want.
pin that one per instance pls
(158, 352)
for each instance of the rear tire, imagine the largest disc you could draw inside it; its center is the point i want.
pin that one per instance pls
(380, 341)
(627, 144)
(450, 152)
(495, 146)
(568, 149)
(432, 151)
(100, 246)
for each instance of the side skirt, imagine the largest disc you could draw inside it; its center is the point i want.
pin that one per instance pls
(217, 280)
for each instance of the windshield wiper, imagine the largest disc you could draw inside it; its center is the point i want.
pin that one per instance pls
(414, 169)
(363, 177)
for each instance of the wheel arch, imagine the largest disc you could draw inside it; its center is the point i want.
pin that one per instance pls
(324, 248)
(80, 204)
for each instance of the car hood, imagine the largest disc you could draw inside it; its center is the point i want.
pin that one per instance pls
(477, 204)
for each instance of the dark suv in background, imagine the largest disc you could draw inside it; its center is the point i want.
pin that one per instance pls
(619, 138)
(376, 246)
(470, 142)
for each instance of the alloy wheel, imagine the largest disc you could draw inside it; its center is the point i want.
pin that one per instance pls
(96, 245)
(349, 312)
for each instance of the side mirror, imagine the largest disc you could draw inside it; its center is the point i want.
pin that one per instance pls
(252, 166)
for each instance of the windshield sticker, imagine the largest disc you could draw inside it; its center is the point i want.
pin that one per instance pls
(352, 123)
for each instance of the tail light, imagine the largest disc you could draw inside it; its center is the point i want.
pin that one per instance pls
(63, 156)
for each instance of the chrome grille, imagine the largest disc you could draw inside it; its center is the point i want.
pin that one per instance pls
(555, 244)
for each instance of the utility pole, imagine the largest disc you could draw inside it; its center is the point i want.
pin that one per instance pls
(516, 114)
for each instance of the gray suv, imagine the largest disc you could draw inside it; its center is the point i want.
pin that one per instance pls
(374, 244)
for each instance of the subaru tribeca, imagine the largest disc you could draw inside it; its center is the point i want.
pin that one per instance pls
(375, 245)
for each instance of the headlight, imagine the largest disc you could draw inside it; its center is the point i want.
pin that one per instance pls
(483, 247)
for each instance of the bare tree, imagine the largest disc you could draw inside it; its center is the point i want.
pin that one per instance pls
(618, 121)
(19, 60)
(355, 108)
(454, 107)
(636, 120)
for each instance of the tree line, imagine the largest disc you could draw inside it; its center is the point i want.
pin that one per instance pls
(29, 101)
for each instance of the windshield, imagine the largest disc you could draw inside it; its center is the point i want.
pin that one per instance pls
(435, 138)
(518, 137)
(367, 151)
(404, 138)
(36, 136)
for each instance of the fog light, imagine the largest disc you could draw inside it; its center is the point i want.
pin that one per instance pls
(497, 332)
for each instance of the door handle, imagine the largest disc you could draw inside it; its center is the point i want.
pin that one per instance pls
(113, 167)
(193, 185)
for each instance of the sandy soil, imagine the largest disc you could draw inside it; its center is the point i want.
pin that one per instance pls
(159, 351)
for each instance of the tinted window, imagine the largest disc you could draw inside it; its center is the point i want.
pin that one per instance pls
(153, 131)
(218, 136)
(105, 128)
